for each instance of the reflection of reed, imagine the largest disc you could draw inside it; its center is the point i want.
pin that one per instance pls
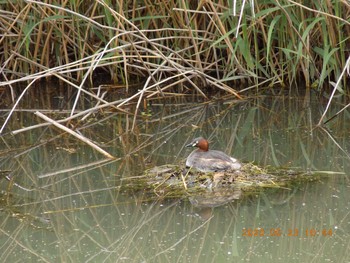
(78, 192)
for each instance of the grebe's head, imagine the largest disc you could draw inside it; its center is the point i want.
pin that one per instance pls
(201, 143)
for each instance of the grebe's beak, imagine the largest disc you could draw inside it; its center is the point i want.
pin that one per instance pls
(192, 144)
(189, 145)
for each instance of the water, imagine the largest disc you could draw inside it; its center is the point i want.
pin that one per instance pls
(66, 202)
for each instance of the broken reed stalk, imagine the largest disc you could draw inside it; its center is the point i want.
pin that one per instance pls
(76, 135)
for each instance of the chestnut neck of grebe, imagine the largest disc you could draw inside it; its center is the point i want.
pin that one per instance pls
(203, 145)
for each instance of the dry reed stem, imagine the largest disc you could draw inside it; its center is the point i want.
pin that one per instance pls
(15, 105)
(78, 136)
(321, 12)
(345, 69)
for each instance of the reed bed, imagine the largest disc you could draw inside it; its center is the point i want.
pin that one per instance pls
(177, 45)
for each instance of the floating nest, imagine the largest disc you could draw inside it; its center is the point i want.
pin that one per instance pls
(214, 188)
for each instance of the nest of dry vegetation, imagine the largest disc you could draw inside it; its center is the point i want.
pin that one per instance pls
(215, 188)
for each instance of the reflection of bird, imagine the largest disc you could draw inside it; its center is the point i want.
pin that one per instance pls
(206, 160)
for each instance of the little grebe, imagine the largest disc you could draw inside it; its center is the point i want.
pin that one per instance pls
(206, 160)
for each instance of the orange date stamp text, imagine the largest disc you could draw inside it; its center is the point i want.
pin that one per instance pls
(291, 232)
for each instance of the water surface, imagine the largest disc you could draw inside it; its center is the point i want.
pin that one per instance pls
(66, 202)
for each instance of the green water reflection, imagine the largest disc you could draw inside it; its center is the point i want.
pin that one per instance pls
(65, 203)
